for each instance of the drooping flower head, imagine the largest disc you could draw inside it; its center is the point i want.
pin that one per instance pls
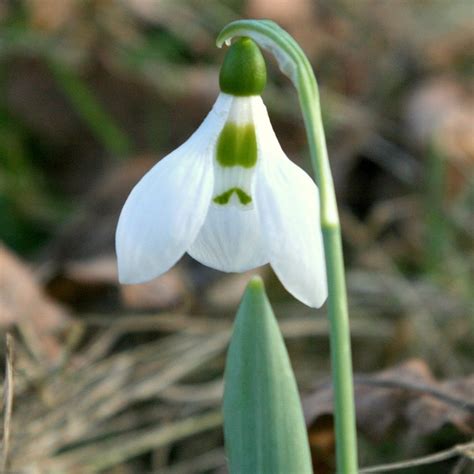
(228, 196)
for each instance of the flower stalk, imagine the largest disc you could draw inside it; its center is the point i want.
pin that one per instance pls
(294, 63)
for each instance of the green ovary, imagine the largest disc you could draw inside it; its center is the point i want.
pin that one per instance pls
(243, 72)
(237, 146)
(224, 198)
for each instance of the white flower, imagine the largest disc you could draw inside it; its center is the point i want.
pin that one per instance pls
(231, 198)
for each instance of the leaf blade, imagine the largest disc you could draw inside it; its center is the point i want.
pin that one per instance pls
(263, 420)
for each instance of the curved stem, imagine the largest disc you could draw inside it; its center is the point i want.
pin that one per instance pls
(294, 63)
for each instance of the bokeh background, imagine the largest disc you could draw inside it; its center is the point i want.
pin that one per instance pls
(116, 379)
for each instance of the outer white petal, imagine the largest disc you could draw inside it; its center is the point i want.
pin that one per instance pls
(288, 205)
(167, 208)
(230, 240)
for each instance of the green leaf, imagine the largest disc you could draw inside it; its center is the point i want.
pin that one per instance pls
(264, 427)
(99, 121)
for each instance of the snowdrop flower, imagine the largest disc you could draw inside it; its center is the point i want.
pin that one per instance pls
(228, 196)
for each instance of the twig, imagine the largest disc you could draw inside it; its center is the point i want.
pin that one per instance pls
(111, 451)
(466, 449)
(205, 393)
(7, 401)
(208, 461)
(460, 465)
(417, 387)
(293, 327)
(128, 380)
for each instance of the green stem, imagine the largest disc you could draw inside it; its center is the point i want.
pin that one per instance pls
(346, 436)
(296, 66)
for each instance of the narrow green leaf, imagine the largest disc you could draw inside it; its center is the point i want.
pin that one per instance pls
(264, 426)
(86, 104)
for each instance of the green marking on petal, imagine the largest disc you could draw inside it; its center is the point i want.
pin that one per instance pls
(237, 146)
(244, 198)
(224, 198)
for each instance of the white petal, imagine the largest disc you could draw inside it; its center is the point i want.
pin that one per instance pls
(288, 205)
(167, 208)
(230, 240)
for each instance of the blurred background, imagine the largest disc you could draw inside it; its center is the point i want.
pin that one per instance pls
(116, 379)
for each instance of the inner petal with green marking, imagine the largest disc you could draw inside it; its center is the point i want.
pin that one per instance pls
(233, 185)
(236, 156)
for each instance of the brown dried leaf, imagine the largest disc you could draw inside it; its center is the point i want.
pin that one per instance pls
(23, 304)
(164, 292)
(96, 270)
(429, 415)
(405, 395)
(322, 442)
(282, 11)
(441, 112)
(50, 15)
(226, 292)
